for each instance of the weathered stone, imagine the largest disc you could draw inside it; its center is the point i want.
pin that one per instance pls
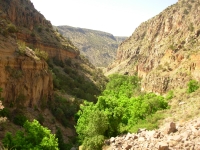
(135, 137)
(128, 146)
(107, 142)
(141, 130)
(128, 136)
(183, 139)
(172, 128)
(141, 139)
(30, 53)
(177, 138)
(197, 133)
(157, 135)
(112, 139)
(181, 103)
(163, 146)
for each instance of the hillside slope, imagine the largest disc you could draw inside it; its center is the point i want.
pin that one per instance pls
(99, 47)
(34, 86)
(163, 51)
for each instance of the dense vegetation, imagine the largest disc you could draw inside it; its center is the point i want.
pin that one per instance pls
(34, 137)
(78, 80)
(120, 108)
(63, 109)
(69, 77)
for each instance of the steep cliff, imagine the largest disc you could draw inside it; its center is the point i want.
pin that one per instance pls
(20, 21)
(163, 51)
(99, 47)
(34, 29)
(34, 87)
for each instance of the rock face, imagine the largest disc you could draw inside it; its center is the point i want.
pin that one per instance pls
(27, 81)
(163, 51)
(34, 29)
(22, 13)
(99, 47)
(185, 136)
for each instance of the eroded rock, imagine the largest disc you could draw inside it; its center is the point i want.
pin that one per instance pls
(182, 137)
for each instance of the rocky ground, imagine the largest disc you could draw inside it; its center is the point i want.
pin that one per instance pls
(172, 136)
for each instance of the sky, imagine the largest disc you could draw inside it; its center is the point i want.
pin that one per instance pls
(118, 17)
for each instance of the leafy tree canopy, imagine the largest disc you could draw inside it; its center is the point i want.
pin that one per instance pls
(34, 137)
(120, 107)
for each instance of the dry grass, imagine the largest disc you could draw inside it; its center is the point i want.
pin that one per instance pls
(183, 106)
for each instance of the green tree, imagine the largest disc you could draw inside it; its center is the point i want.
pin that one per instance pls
(91, 121)
(120, 108)
(34, 136)
(91, 126)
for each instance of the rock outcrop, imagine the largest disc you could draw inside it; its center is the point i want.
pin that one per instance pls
(27, 81)
(183, 136)
(164, 50)
(34, 29)
(99, 47)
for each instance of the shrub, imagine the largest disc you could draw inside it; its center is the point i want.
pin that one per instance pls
(170, 95)
(191, 27)
(47, 29)
(21, 47)
(172, 47)
(68, 61)
(11, 28)
(33, 34)
(93, 143)
(39, 29)
(35, 137)
(58, 62)
(41, 54)
(4, 32)
(189, 6)
(20, 100)
(20, 119)
(40, 118)
(185, 12)
(5, 112)
(63, 109)
(193, 85)
(59, 136)
(14, 72)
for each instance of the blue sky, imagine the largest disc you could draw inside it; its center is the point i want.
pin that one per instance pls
(118, 17)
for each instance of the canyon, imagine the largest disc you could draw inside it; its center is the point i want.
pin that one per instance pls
(100, 48)
(164, 50)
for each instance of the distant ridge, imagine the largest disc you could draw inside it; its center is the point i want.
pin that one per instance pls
(98, 46)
